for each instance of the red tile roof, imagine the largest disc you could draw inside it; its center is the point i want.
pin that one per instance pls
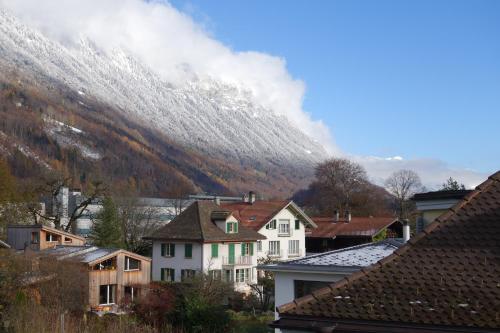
(255, 215)
(358, 226)
(447, 276)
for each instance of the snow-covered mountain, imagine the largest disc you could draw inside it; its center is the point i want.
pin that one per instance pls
(209, 116)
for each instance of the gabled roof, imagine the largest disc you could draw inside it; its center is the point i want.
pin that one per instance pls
(255, 215)
(349, 259)
(449, 275)
(358, 226)
(196, 223)
(87, 254)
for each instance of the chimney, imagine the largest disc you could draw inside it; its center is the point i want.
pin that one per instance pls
(406, 231)
(347, 216)
(251, 197)
(217, 201)
(336, 216)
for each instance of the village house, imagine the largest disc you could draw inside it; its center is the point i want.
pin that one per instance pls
(432, 204)
(206, 238)
(39, 237)
(297, 278)
(445, 279)
(283, 224)
(111, 276)
(338, 232)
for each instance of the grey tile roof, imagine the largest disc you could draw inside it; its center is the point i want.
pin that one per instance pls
(355, 257)
(84, 254)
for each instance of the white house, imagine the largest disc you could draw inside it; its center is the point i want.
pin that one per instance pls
(283, 224)
(206, 238)
(300, 277)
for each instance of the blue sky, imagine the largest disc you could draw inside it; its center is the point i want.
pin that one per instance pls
(420, 79)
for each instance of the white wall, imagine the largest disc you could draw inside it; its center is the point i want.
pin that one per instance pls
(178, 262)
(272, 235)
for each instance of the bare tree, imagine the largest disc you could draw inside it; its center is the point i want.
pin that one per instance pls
(340, 178)
(403, 184)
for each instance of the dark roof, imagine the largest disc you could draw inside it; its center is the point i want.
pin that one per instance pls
(4, 245)
(255, 215)
(348, 259)
(196, 224)
(441, 195)
(358, 226)
(449, 275)
(84, 254)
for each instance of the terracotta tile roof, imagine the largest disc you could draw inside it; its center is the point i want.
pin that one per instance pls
(358, 226)
(196, 224)
(255, 215)
(449, 275)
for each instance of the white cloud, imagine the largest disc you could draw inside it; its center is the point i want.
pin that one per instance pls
(175, 46)
(433, 172)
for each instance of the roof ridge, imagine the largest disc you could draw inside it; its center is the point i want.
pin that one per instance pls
(363, 272)
(198, 216)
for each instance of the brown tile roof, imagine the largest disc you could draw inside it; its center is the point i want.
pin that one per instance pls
(358, 226)
(449, 275)
(256, 215)
(196, 224)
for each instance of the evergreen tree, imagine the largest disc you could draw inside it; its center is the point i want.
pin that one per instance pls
(106, 231)
(452, 185)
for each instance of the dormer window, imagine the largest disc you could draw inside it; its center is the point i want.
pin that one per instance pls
(232, 227)
(271, 225)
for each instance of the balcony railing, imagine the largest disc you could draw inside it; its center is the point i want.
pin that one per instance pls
(276, 254)
(237, 260)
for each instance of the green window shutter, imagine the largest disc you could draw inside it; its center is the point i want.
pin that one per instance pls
(163, 249)
(227, 227)
(188, 250)
(215, 250)
(172, 274)
(251, 249)
(162, 271)
(172, 250)
(297, 224)
(236, 227)
(243, 249)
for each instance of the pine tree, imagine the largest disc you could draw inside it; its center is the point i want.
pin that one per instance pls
(106, 231)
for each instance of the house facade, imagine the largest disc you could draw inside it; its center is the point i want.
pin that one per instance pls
(206, 238)
(39, 237)
(282, 223)
(111, 276)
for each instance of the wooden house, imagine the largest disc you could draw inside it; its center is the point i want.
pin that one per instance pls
(39, 237)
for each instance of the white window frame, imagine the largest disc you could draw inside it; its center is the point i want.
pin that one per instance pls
(293, 247)
(246, 249)
(284, 227)
(242, 275)
(108, 288)
(132, 292)
(168, 250)
(271, 225)
(127, 264)
(274, 248)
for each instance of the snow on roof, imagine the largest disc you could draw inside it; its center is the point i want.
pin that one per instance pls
(352, 257)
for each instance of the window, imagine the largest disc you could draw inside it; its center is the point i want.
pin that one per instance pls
(293, 247)
(302, 288)
(131, 292)
(247, 249)
(297, 224)
(50, 237)
(167, 274)
(35, 238)
(215, 274)
(106, 265)
(242, 275)
(228, 276)
(168, 250)
(107, 294)
(132, 264)
(188, 250)
(68, 240)
(259, 246)
(232, 227)
(274, 248)
(271, 225)
(284, 227)
(187, 274)
(215, 250)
